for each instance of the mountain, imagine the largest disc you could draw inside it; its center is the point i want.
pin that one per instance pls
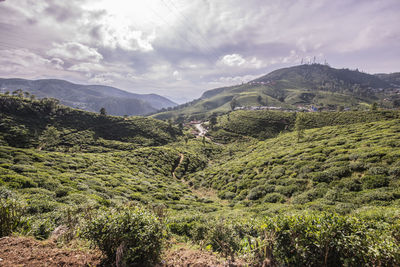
(392, 78)
(319, 85)
(90, 97)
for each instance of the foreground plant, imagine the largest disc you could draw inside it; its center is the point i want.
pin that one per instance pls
(128, 236)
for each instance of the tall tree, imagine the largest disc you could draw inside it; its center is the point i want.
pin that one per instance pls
(299, 125)
(233, 104)
(49, 137)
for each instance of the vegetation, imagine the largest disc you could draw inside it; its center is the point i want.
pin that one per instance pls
(331, 168)
(127, 236)
(263, 124)
(302, 189)
(24, 121)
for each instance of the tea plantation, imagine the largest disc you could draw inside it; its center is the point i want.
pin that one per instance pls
(286, 189)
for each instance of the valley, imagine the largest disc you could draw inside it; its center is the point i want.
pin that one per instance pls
(255, 186)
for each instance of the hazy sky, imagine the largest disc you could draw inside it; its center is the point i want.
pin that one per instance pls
(180, 48)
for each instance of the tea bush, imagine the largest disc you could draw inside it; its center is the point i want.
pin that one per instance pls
(11, 210)
(332, 240)
(128, 236)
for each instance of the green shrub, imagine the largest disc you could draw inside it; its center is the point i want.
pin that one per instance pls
(274, 198)
(375, 181)
(330, 240)
(129, 236)
(223, 237)
(11, 211)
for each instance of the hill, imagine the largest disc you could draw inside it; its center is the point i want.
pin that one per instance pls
(315, 85)
(391, 78)
(331, 168)
(90, 97)
(263, 124)
(24, 120)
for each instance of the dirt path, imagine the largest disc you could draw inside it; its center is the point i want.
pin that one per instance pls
(201, 129)
(186, 256)
(24, 251)
(179, 164)
(28, 252)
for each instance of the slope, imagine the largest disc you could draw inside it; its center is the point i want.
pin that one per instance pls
(262, 124)
(332, 168)
(23, 122)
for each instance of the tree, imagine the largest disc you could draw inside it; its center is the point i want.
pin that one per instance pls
(213, 121)
(374, 106)
(49, 137)
(299, 125)
(259, 99)
(103, 111)
(18, 93)
(233, 104)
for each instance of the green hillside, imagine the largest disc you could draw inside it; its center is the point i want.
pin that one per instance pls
(262, 124)
(334, 168)
(23, 121)
(298, 189)
(319, 85)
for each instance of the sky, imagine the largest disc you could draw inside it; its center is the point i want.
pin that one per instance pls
(181, 48)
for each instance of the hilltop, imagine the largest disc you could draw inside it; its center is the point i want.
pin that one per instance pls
(317, 85)
(90, 97)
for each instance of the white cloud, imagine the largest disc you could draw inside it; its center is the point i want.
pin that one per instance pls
(237, 60)
(119, 32)
(75, 51)
(233, 60)
(177, 75)
(87, 67)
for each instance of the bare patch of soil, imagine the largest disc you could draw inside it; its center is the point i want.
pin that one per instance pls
(25, 251)
(187, 257)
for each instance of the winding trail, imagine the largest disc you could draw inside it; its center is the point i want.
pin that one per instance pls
(182, 157)
(201, 129)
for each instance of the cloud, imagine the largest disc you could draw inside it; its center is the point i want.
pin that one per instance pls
(21, 60)
(57, 63)
(177, 75)
(178, 47)
(100, 79)
(238, 61)
(233, 60)
(75, 51)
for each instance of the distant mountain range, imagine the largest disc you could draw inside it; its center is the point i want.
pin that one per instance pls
(289, 88)
(90, 97)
